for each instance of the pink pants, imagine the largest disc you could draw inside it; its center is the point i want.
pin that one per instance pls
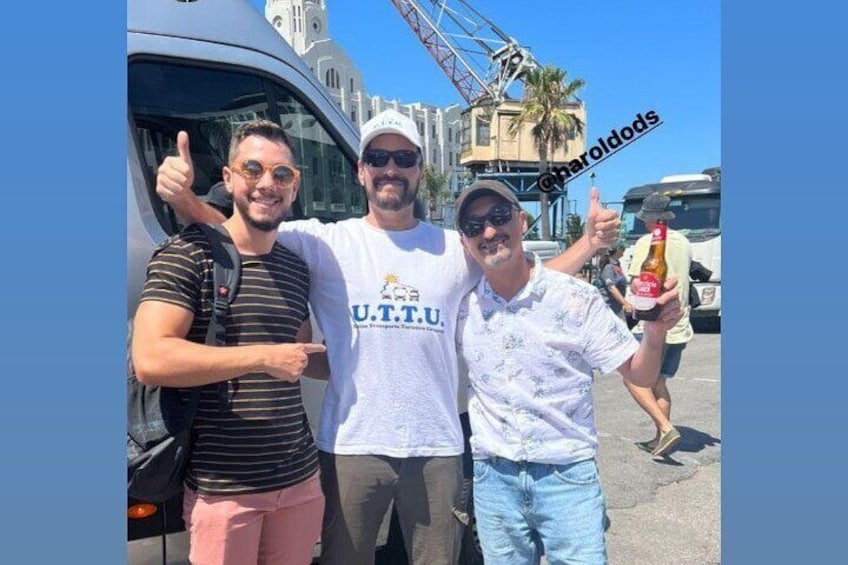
(272, 528)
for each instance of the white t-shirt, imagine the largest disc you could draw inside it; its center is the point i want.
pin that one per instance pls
(387, 303)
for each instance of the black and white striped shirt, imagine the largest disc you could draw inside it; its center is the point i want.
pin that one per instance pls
(258, 439)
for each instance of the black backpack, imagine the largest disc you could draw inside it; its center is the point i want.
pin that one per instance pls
(158, 424)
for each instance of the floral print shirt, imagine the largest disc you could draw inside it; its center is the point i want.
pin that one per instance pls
(530, 366)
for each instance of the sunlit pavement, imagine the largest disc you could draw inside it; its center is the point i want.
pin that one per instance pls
(666, 511)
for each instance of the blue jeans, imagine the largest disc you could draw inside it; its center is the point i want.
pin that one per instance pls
(526, 509)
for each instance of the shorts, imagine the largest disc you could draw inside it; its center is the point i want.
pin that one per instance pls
(672, 353)
(279, 526)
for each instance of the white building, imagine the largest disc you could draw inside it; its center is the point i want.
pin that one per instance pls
(303, 24)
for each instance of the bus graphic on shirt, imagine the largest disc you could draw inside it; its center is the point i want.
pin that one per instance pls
(393, 289)
(399, 307)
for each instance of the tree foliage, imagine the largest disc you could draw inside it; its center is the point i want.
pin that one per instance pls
(547, 94)
(574, 226)
(434, 186)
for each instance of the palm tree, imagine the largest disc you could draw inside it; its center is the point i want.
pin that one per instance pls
(547, 94)
(434, 186)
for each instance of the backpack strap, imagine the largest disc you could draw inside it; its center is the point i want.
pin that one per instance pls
(226, 274)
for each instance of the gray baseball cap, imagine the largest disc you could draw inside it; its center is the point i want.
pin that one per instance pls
(483, 188)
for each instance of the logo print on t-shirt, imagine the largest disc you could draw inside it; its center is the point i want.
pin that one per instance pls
(393, 289)
(395, 311)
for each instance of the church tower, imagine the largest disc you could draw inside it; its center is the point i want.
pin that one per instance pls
(300, 22)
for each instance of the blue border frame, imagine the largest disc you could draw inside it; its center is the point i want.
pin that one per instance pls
(63, 331)
(783, 127)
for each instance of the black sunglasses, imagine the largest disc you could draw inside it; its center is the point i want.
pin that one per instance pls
(404, 158)
(498, 215)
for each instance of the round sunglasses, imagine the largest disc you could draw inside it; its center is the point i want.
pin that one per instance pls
(252, 170)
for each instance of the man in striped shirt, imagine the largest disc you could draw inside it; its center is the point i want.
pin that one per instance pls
(252, 489)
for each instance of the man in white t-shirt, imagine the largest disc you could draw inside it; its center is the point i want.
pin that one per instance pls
(386, 291)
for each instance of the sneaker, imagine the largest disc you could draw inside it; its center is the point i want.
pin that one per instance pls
(647, 446)
(667, 441)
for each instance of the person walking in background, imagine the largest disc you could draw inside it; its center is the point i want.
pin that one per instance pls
(656, 400)
(615, 281)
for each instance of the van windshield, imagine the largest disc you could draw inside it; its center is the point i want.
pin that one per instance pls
(209, 103)
(697, 217)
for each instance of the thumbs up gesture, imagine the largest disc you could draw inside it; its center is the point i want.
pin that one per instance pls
(176, 175)
(602, 225)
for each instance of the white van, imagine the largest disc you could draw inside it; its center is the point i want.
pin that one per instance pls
(205, 67)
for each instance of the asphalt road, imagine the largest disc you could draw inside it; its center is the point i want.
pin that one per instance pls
(667, 511)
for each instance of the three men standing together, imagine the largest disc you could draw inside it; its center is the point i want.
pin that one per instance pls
(387, 291)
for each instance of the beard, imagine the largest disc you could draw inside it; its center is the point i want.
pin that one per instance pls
(265, 224)
(388, 200)
(499, 255)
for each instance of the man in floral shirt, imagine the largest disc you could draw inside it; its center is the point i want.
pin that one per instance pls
(531, 337)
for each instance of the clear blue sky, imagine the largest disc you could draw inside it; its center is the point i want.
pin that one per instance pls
(634, 56)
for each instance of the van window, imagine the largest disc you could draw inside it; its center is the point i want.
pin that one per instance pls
(209, 103)
(329, 186)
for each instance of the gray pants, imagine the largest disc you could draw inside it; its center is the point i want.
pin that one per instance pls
(358, 490)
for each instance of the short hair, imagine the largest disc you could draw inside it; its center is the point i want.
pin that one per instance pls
(261, 128)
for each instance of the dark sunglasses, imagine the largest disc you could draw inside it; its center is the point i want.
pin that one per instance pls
(283, 175)
(498, 215)
(404, 158)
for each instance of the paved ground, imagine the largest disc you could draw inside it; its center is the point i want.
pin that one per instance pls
(665, 512)
(680, 526)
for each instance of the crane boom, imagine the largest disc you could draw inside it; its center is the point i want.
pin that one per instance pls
(470, 86)
(448, 34)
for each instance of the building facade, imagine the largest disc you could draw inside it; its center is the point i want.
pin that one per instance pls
(304, 25)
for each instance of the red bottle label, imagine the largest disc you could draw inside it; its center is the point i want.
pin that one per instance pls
(648, 286)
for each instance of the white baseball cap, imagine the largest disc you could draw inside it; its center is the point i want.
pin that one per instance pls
(388, 121)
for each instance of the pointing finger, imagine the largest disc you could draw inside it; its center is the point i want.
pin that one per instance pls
(314, 348)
